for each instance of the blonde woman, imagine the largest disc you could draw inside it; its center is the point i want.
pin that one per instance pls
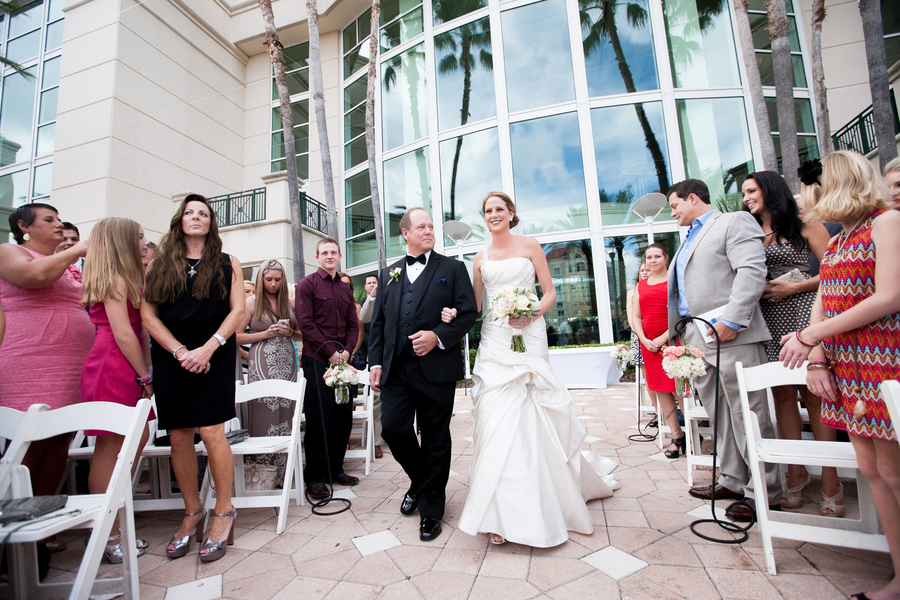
(270, 317)
(117, 369)
(851, 342)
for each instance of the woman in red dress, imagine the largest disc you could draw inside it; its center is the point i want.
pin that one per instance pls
(652, 327)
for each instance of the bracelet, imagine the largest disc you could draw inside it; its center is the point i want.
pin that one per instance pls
(175, 351)
(802, 343)
(148, 378)
(817, 362)
(815, 366)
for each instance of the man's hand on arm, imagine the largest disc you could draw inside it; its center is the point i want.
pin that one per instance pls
(423, 342)
(375, 378)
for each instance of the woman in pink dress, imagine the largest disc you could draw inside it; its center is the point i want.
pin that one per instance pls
(118, 366)
(48, 332)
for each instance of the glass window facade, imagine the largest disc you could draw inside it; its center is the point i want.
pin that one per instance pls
(576, 109)
(296, 60)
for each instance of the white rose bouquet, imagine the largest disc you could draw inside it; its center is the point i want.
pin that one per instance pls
(515, 303)
(622, 354)
(683, 363)
(340, 376)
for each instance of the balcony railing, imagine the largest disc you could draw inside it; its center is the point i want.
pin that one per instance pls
(240, 207)
(859, 133)
(314, 214)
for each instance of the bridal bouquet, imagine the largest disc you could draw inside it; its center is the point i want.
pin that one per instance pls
(514, 303)
(622, 354)
(683, 363)
(340, 377)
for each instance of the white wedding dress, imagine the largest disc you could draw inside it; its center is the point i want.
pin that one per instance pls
(529, 479)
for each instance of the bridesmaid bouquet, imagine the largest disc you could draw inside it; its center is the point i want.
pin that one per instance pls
(622, 354)
(340, 377)
(514, 303)
(683, 363)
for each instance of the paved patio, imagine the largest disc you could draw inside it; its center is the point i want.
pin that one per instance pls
(642, 546)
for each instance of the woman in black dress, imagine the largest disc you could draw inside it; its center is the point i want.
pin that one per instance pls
(193, 301)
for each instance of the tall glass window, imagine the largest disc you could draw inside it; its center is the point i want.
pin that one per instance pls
(404, 106)
(538, 67)
(759, 25)
(447, 10)
(406, 185)
(356, 48)
(807, 142)
(632, 158)
(701, 43)
(574, 318)
(355, 123)
(300, 113)
(716, 146)
(296, 60)
(360, 220)
(618, 47)
(549, 174)
(465, 74)
(401, 21)
(470, 168)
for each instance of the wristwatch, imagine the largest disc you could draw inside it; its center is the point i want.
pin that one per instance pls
(219, 339)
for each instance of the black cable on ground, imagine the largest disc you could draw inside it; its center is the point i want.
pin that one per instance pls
(315, 506)
(743, 536)
(640, 436)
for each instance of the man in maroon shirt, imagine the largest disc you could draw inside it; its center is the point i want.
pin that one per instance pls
(326, 313)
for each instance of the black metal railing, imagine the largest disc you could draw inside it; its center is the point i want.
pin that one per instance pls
(314, 214)
(359, 225)
(240, 207)
(859, 133)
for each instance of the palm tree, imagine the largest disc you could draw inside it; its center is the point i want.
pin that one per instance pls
(873, 32)
(474, 35)
(290, 152)
(371, 79)
(826, 144)
(318, 94)
(604, 29)
(764, 128)
(779, 33)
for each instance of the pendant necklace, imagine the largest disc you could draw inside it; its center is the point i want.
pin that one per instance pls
(843, 239)
(193, 267)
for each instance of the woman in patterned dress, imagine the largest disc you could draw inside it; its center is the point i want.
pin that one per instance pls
(852, 342)
(786, 307)
(270, 316)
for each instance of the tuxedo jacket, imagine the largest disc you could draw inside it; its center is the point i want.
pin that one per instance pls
(726, 266)
(444, 283)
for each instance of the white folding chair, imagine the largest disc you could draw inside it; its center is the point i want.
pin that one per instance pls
(693, 414)
(96, 511)
(861, 534)
(12, 422)
(280, 444)
(364, 423)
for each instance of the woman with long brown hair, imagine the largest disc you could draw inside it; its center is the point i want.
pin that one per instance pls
(117, 369)
(193, 301)
(270, 316)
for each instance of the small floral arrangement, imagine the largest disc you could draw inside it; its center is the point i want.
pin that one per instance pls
(395, 275)
(683, 362)
(622, 354)
(514, 303)
(341, 376)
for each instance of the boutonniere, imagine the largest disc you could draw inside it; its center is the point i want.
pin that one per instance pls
(395, 275)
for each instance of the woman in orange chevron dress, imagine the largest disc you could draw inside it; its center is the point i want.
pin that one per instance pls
(853, 341)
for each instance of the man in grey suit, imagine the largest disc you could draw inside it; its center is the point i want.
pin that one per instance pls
(722, 265)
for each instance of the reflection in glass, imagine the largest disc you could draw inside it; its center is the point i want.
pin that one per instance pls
(574, 318)
(618, 46)
(406, 185)
(630, 151)
(355, 122)
(701, 43)
(42, 177)
(24, 48)
(803, 115)
(13, 192)
(48, 105)
(362, 250)
(301, 141)
(465, 62)
(16, 115)
(447, 10)
(759, 26)
(45, 139)
(355, 152)
(297, 82)
(54, 38)
(356, 59)
(56, 10)
(545, 58)
(391, 9)
(548, 174)
(296, 57)
(26, 20)
(51, 72)
(767, 69)
(355, 93)
(808, 148)
(299, 113)
(624, 254)
(402, 30)
(302, 166)
(357, 188)
(360, 218)
(716, 146)
(404, 106)
(470, 168)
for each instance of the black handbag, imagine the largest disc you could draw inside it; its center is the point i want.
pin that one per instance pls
(236, 436)
(26, 509)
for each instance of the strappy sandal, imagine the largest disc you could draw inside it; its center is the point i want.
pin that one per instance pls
(829, 506)
(793, 497)
(212, 551)
(178, 547)
(680, 447)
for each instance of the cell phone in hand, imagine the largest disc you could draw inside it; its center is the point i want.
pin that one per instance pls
(284, 321)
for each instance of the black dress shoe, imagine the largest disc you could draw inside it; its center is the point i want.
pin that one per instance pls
(317, 491)
(409, 504)
(429, 529)
(722, 493)
(742, 513)
(345, 479)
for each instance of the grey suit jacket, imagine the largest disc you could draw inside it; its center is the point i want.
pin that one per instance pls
(726, 267)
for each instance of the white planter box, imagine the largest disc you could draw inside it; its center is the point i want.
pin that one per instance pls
(591, 368)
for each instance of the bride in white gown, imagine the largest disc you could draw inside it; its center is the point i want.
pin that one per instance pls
(529, 479)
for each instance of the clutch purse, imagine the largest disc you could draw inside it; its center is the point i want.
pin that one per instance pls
(792, 276)
(26, 509)
(236, 436)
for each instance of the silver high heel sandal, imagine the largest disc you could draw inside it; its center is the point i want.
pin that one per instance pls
(211, 551)
(113, 552)
(178, 547)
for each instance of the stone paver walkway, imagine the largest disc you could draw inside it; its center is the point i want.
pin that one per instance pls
(642, 546)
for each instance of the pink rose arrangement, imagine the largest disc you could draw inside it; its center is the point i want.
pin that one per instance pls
(683, 362)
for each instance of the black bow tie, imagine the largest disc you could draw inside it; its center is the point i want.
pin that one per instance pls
(414, 259)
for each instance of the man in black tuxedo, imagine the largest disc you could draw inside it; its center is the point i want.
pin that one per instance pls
(416, 360)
